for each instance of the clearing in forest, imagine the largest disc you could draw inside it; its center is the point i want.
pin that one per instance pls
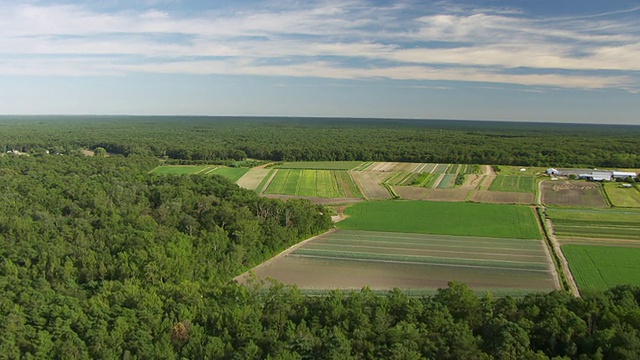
(572, 193)
(602, 267)
(313, 183)
(447, 218)
(622, 196)
(352, 259)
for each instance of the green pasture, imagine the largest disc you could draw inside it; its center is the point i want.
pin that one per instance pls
(602, 267)
(622, 197)
(231, 173)
(320, 165)
(315, 183)
(513, 183)
(447, 218)
(181, 169)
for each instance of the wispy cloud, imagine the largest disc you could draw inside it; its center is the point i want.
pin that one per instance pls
(327, 39)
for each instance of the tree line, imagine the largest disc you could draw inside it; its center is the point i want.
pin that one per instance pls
(206, 139)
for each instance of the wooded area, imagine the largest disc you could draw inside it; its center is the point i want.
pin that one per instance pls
(101, 259)
(205, 139)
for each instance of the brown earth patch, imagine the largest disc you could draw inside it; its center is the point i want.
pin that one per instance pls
(410, 192)
(572, 193)
(458, 194)
(502, 197)
(369, 183)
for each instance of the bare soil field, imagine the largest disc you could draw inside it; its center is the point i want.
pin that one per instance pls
(488, 176)
(252, 179)
(395, 166)
(458, 194)
(369, 183)
(573, 193)
(410, 192)
(502, 197)
(354, 259)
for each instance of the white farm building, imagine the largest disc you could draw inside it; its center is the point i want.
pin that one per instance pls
(594, 175)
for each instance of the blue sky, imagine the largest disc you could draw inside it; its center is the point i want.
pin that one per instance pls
(533, 60)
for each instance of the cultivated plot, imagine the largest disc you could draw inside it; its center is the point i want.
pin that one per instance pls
(573, 193)
(513, 183)
(182, 169)
(382, 260)
(502, 197)
(313, 183)
(622, 196)
(606, 226)
(448, 218)
(320, 165)
(231, 173)
(253, 178)
(602, 267)
(370, 183)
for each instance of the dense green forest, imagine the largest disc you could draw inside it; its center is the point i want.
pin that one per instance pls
(206, 139)
(99, 259)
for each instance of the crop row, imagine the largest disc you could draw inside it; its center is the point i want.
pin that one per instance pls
(320, 183)
(513, 265)
(513, 183)
(601, 267)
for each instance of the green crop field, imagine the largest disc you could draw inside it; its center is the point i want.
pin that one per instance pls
(447, 218)
(606, 223)
(622, 197)
(320, 165)
(440, 169)
(601, 267)
(316, 183)
(447, 181)
(513, 183)
(230, 173)
(182, 169)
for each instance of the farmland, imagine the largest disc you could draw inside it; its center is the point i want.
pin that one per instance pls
(607, 225)
(320, 165)
(231, 173)
(573, 193)
(622, 197)
(182, 169)
(384, 260)
(315, 183)
(446, 218)
(513, 183)
(502, 197)
(253, 178)
(601, 267)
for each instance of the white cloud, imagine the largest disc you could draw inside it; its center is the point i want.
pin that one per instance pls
(362, 41)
